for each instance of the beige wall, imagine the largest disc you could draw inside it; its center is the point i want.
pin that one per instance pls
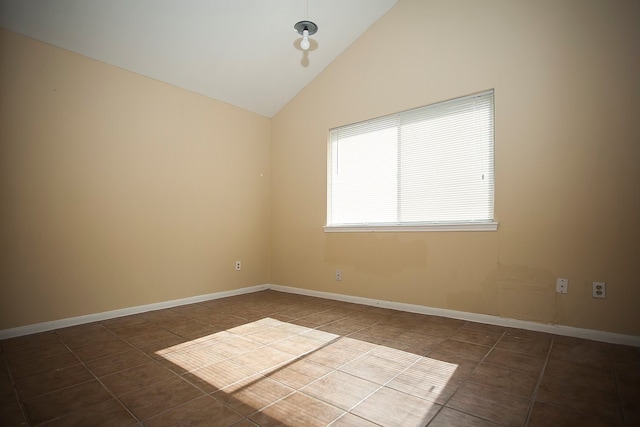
(567, 87)
(117, 190)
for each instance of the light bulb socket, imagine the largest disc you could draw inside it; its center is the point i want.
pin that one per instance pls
(306, 25)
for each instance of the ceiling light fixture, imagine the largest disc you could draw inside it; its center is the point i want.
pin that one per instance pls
(305, 29)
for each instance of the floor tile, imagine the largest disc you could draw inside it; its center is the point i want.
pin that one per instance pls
(323, 317)
(534, 345)
(202, 411)
(343, 327)
(268, 335)
(340, 352)
(490, 404)
(85, 335)
(397, 358)
(576, 387)
(117, 362)
(483, 327)
(455, 367)
(62, 402)
(448, 417)
(148, 338)
(383, 331)
(629, 391)
(46, 349)
(149, 401)
(544, 415)
(193, 357)
(201, 362)
(373, 368)
(389, 407)
(299, 345)
(248, 328)
(419, 339)
(245, 422)
(505, 379)
(7, 391)
(433, 383)
(109, 413)
(350, 420)
(27, 342)
(156, 348)
(53, 380)
(292, 328)
(235, 346)
(264, 359)
(21, 369)
(571, 373)
(218, 375)
(11, 414)
(476, 337)
(299, 373)
(252, 394)
(124, 321)
(592, 354)
(515, 360)
(137, 377)
(340, 389)
(111, 346)
(297, 410)
(463, 349)
(186, 327)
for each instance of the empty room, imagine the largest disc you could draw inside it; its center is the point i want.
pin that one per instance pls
(320, 213)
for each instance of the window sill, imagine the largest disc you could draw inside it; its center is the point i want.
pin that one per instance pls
(395, 228)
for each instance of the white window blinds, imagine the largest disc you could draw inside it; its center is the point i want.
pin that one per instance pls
(428, 166)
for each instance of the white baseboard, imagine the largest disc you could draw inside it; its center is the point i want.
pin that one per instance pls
(73, 321)
(569, 331)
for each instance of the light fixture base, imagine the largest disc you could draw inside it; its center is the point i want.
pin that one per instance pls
(306, 25)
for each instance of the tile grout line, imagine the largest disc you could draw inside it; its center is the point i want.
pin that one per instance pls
(302, 357)
(139, 421)
(493, 347)
(23, 410)
(260, 373)
(336, 369)
(177, 375)
(537, 387)
(391, 379)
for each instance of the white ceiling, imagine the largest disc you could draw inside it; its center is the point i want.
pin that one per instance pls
(243, 52)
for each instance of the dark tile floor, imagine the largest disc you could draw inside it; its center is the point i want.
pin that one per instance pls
(272, 358)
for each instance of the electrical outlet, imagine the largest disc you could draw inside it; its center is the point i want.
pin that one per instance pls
(338, 275)
(599, 289)
(238, 265)
(562, 286)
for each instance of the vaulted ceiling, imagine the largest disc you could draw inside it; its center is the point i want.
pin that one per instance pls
(242, 52)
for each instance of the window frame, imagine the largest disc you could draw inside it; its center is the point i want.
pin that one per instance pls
(415, 226)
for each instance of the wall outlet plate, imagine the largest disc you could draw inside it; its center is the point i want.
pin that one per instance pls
(338, 275)
(562, 286)
(599, 289)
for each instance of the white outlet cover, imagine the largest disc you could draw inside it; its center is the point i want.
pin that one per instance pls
(562, 286)
(599, 289)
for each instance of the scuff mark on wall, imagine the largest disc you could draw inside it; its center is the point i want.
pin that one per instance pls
(525, 293)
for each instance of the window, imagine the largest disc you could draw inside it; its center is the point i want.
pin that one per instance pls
(430, 168)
